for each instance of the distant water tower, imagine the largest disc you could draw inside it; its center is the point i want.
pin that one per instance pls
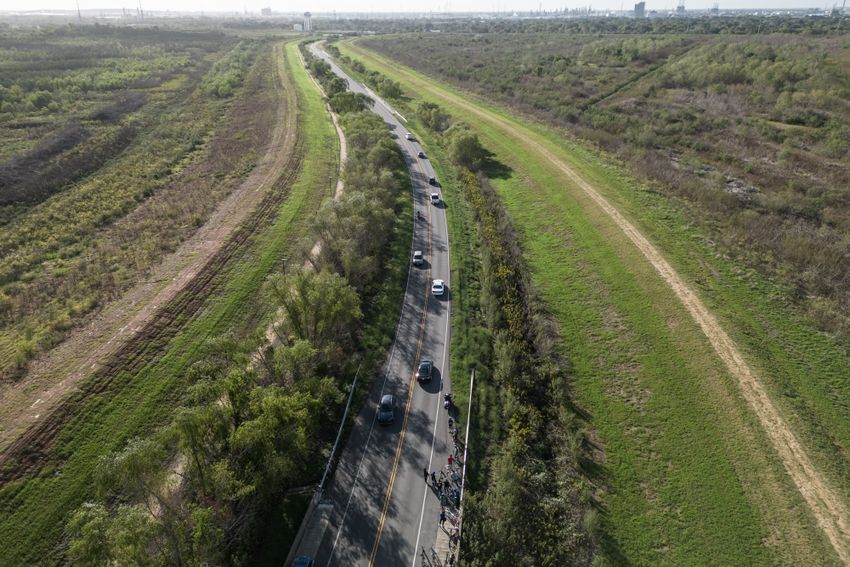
(308, 23)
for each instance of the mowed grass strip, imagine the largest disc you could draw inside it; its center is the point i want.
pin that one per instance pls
(33, 511)
(691, 475)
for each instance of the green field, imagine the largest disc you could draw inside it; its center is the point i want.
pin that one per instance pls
(117, 147)
(36, 509)
(748, 133)
(687, 475)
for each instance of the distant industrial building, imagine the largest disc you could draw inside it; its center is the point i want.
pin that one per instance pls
(640, 10)
(266, 11)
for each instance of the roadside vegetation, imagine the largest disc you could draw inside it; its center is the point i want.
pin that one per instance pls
(532, 22)
(528, 499)
(114, 152)
(532, 501)
(751, 134)
(140, 389)
(676, 457)
(261, 415)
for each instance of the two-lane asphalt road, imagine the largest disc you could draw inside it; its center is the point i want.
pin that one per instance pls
(378, 509)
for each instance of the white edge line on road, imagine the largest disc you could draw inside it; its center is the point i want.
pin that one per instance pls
(375, 418)
(392, 355)
(425, 493)
(442, 374)
(383, 385)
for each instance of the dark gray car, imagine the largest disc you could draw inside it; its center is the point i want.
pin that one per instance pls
(386, 410)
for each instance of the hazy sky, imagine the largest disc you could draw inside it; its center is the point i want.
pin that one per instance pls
(391, 5)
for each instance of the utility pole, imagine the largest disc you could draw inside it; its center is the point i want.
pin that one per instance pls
(79, 15)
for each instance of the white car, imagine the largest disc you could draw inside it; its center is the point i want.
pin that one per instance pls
(435, 198)
(418, 258)
(409, 136)
(438, 288)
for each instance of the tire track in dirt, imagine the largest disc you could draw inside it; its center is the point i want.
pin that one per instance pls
(825, 504)
(149, 330)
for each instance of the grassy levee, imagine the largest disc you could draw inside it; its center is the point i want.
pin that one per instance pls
(690, 476)
(34, 510)
(59, 258)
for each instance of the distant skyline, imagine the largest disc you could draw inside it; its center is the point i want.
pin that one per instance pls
(390, 6)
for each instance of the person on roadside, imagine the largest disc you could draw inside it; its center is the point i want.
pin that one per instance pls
(442, 517)
(433, 478)
(451, 460)
(426, 475)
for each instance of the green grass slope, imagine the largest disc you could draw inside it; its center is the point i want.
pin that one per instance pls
(34, 511)
(688, 475)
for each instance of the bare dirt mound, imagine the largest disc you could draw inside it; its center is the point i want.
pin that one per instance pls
(33, 411)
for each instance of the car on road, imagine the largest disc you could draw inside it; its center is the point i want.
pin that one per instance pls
(421, 155)
(435, 198)
(418, 258)
(425, 370)
(438, 288)
(304, 561)
(432, 181)
(409, 136)
(386, 410)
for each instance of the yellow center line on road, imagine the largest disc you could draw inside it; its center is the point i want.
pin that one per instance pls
(410, 393)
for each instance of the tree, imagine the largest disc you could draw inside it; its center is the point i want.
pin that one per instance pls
(345, 102)
(291, 363)
(203, 433)
(465, 148)
(89, 544)
(320, 69)
(271, 449)
(138, 472)
(434, 117)
(389, 88)
(318, 307)
(334, 85)
(132, 534)
(352, 232)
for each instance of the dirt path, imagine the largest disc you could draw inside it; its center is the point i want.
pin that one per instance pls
(343, 154)
(271, 335)
(825, 504)
(90, 350)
